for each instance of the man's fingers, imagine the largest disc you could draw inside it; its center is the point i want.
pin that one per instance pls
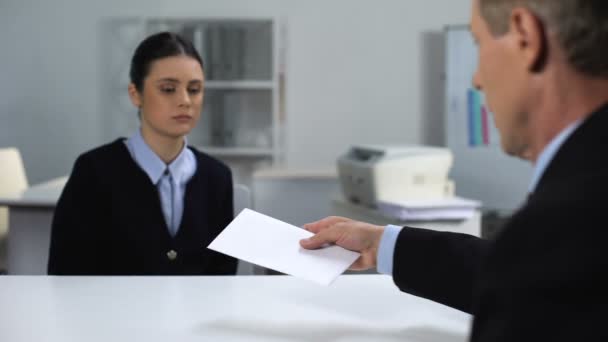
(364, 262)
(325, 223)
(327, 236)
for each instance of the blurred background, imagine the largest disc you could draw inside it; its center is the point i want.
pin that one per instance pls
(291, 87)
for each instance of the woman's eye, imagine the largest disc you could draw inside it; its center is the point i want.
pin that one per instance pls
(167, 89)
(194, 90)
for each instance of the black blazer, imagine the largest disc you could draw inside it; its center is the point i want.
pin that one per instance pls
(545, 276)
(109, 220)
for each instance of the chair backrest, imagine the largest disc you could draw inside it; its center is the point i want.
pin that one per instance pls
(243, 199)
(12, 173)
(12, 181)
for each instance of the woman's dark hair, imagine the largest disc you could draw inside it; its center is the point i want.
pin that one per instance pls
(157, 46)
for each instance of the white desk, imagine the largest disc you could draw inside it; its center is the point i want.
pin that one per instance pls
(344, 208)
(242, 308)
(30, 215)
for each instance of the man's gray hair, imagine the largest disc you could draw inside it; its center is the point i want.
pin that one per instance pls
(581, 27)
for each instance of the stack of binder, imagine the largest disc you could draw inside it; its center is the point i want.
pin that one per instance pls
(451, 208)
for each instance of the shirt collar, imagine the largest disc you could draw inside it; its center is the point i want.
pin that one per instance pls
(549, 152)
(182, 166)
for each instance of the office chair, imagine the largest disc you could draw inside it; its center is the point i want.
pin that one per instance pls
(12, 181)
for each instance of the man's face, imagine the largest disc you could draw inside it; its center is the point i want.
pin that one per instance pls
(503, 77)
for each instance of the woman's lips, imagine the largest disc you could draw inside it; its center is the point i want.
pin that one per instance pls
(182, 118)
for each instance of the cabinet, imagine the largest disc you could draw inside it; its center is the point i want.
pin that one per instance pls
(243, 119)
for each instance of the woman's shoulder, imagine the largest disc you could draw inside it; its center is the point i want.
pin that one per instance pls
(206, 162)
(101, 160)
(104, 153)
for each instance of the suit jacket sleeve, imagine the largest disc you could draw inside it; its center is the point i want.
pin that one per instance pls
(439, 266)
(221, 264)
(77, 221)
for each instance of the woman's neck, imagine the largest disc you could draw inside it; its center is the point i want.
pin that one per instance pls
(166, 148)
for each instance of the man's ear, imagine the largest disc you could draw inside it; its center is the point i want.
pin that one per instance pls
(134, 95)
(530, 38)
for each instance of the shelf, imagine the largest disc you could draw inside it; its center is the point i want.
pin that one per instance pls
(237, 151)
(240, 85)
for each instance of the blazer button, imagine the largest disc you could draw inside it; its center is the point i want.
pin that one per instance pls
(171, 255)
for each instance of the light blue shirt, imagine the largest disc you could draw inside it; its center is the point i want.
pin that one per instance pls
(170, 180)
(391, 233)
(549, 152)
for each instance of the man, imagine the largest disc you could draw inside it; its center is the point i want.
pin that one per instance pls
(543, 65)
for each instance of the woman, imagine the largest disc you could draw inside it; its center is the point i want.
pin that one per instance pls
(148, 205)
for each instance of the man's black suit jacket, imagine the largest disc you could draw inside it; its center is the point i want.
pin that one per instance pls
(109, 220)
(545, 276)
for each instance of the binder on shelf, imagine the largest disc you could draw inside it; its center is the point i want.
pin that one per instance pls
(201, 45)
(214, 51)
(188, 33)
(216, 121)
(232, 51)
(225, 46)
(231, 104)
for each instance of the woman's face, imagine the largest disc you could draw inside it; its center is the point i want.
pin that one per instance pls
(172, 96)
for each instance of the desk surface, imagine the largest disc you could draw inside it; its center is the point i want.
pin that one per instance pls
(241, 308)
(282, 173)
(41, 195)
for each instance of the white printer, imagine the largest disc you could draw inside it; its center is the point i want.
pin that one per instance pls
(369, 174)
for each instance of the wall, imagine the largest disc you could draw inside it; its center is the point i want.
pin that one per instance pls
(357, 72)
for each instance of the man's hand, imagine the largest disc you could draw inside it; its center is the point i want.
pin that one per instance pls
(352, 235)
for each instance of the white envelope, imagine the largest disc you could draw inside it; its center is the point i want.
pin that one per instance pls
(270, 243)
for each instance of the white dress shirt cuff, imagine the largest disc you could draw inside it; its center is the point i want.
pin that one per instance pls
(386, 250)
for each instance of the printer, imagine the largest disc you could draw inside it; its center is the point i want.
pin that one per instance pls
(372, 173)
